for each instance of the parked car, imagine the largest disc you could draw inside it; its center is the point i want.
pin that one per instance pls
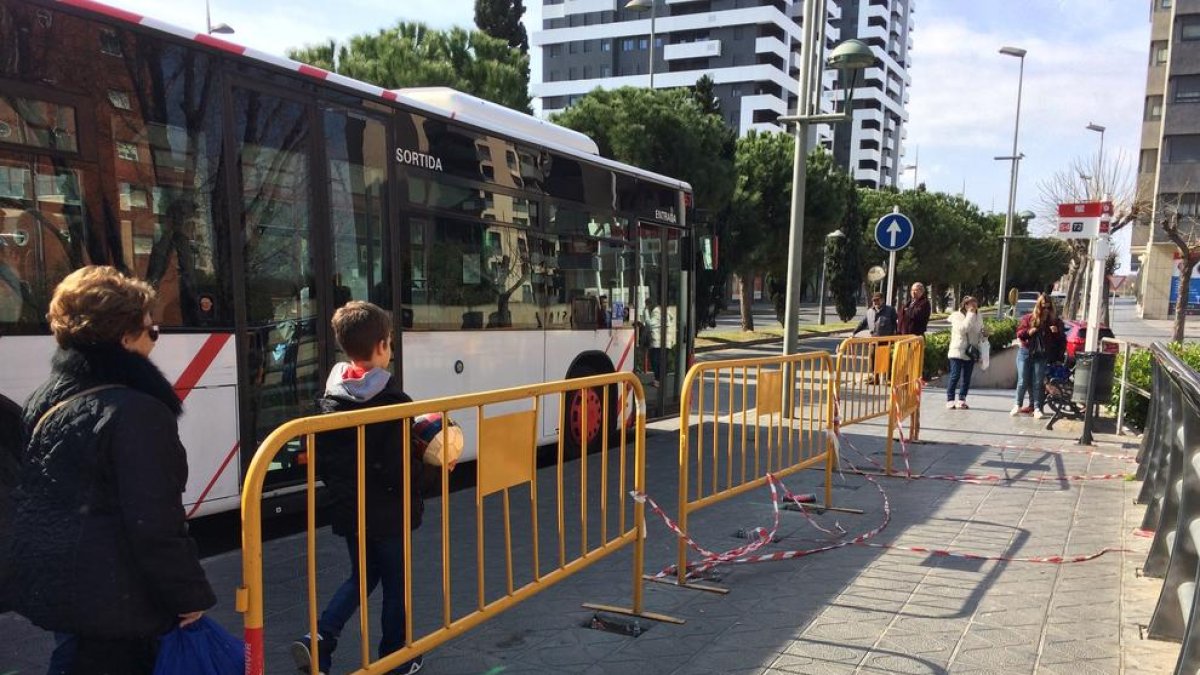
(1077, 336)
(1028, 295)
(1023, 307)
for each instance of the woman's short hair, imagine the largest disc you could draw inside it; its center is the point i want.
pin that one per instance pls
(877, 296)
(962, 306)
(98, 305)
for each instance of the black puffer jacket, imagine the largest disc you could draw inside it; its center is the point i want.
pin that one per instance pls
(100, 544)
(337, 460)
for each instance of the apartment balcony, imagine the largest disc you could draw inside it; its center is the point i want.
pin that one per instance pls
(692, 50)
(772, 45)
(569, 7)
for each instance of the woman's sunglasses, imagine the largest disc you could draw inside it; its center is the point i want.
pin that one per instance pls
(152, 331)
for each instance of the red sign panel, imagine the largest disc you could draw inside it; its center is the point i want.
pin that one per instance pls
(1085, 210)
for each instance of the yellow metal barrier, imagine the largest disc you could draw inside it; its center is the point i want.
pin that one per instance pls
(775, 411)
(864, 367)
(905, 393)
(506, 460)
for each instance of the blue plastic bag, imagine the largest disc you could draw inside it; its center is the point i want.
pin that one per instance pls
(202, 648)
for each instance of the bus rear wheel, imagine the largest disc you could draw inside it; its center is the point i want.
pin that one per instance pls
(590, 399)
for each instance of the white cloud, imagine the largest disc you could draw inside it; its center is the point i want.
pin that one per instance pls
(964, 92)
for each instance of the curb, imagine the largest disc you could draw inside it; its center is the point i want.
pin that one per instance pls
(767, 341)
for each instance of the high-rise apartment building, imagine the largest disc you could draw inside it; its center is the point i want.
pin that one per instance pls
(1169, 165)
(749, 48)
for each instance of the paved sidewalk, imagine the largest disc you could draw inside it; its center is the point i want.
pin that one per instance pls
(855, 609)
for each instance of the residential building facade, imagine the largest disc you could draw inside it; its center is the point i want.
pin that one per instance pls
(749, 48)
(1169, 162)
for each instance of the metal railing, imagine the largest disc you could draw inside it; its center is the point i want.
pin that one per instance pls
(1124, 347)
(1169, 464)
(751, 417)
(506, 459)
(880, 376)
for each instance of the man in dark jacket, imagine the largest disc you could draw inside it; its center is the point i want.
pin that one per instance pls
(914, 318)
(100, 552)
(364, 333)
(880, 320)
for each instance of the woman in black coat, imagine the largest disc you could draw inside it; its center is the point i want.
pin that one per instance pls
(100, 552)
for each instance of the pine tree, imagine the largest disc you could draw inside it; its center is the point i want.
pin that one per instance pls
(502, 19)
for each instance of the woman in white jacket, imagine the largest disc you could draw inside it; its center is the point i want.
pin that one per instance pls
(966, 330)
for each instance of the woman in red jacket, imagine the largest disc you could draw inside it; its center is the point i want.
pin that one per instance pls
(1042, 336)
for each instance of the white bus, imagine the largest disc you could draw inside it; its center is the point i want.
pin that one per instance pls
(258, 194)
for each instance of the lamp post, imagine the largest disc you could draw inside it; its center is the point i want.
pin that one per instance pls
(641, 6)
(914, 166)
(1015, 158)
(849, 57)
(222, 28)
(829, 241)
(1100, 161)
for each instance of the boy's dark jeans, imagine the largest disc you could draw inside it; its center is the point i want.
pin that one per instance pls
(385, 562)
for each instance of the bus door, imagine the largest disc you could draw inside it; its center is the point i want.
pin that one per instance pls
(278, 322)
(662, 353)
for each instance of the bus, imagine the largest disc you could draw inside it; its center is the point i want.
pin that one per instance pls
(257, 195)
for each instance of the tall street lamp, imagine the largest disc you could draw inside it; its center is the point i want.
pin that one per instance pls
(641, 6)
(915, 166)
(849, 57)
(1092, 126)
(1015, 158)
(222, 28)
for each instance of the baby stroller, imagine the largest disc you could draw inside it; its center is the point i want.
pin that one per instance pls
(1059, 388)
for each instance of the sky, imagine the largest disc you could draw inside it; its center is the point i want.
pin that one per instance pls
(1086, 63)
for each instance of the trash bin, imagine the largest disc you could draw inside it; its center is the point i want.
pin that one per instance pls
(1099, 366)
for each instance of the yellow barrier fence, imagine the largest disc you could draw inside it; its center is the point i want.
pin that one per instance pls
(741, 419)
(864, 367)
(591, 518)
(905, 392)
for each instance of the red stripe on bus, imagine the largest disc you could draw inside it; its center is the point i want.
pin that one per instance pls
(106, 10)
(200, 363)
(223, 45)
(213, 481)
(390, 95)
(313, 71)
(625, 354)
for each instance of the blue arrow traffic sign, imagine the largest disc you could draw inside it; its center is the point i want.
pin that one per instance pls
(893, 232)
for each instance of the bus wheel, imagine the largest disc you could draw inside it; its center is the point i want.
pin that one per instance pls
(591, 399)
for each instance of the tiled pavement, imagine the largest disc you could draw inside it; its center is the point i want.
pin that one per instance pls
(855, 609)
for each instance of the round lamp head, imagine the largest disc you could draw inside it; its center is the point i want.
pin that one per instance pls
(222, 28)
(1027, 215)
(849, 55)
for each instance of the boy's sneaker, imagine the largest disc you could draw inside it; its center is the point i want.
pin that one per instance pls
(411, 667)
(1038, 414)
(962, 405)
(1016, 410)
(1027, 409)
(951, 405)
(302, 654)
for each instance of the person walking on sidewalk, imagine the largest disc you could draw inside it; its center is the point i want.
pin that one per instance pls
(1042, 336)
(966, 335)
(914, 317)
(880, 320)
(100, 552)
(364, 333)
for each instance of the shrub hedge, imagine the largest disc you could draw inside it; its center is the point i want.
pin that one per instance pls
(1136, 407)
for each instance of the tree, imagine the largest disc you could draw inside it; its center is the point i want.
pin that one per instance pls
(760, 210)
(829, 191)
(844, 271)
(414, 55)
(502, 19)
(955, 245)
(704, 91)
(668, 132)
(1189, 257)
(1088, 180)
